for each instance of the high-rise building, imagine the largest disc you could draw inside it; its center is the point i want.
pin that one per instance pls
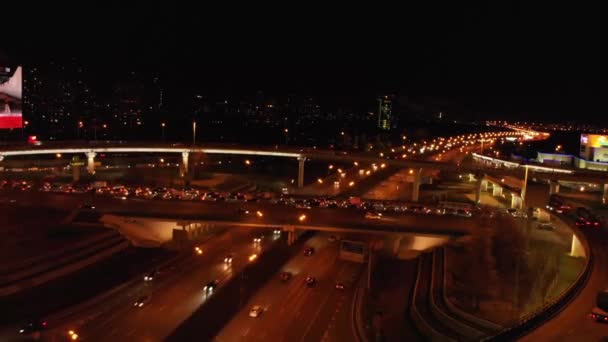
(385, 111)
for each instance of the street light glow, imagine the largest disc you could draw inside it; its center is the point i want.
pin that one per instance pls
(302, 218)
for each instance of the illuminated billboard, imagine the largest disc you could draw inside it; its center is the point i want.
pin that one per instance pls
(10, 97)
(594, 140)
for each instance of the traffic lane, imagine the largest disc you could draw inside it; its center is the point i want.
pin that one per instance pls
(212, 251)
(113, 304)
(333, 303)
(573, 323)
(279, 299)
(275, 214)
(167, 309)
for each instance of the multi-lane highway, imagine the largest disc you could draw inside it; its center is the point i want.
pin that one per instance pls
(295, 312)
(172, 296)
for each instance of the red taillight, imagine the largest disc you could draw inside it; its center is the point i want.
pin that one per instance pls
(596, 223)
(44, 323)
(588, 223)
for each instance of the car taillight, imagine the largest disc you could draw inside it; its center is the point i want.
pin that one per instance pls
(596, 223)
(588, 223)
(44, 324)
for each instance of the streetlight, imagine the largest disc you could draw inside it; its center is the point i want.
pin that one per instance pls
(162, 128)
(193, 132)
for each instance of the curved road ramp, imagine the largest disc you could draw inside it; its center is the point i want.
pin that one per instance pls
(43, 268)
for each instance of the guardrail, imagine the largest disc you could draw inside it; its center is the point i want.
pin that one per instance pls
(549, 310)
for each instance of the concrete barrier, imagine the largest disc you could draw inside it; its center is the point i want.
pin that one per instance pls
(422, 326)
(468, 333)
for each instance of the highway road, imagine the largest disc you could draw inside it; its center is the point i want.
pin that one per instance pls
(173, 295)
(347, 220)
(573, 323)
(295, 312)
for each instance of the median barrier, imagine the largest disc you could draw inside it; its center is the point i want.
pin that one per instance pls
(230, 298)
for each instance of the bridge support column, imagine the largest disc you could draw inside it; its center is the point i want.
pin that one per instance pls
(496, 190)
(553, 187)
(471, 177)
(516, 202)
(605, 194)
(301, 161)
(184, 166)
(75, 173)
(484, 185)
(576, 249)
(480, 182)
(416, 185)
(91, 162)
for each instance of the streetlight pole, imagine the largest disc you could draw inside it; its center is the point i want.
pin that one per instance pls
(193, 132)
(162, 134)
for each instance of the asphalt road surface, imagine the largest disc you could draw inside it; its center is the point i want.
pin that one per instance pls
(573, 323)
(173, 295)
(295, 312)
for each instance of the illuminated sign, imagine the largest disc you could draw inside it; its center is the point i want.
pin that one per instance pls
(10, 98)
(594, 140)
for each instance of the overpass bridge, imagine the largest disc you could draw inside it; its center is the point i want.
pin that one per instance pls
(484, 164)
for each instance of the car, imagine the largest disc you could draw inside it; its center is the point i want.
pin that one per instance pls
(141, 301)
(33, 326)
(257, 239)
(310, 281)
(340, 286)
(546, 226)
(276, 232)
(255, 311)
(150, 276)
(211, 286)
(373, 215)
(308, 251)
(332, 238)
(228, 259)
(285, 276)
(463, 213)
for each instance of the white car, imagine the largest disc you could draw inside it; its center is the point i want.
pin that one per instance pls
(255, 311)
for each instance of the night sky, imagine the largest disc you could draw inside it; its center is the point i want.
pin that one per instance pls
(511, 58)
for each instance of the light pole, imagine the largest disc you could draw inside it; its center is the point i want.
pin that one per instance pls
(193, 132)
(162, 134)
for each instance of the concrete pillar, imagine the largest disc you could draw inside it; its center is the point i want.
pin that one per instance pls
(553, 187)
(605, 194)
(516, 202)
(576, 249)
(496, 190)
(185, 163)
(478, 190)
(484, 185)
(416, 185)
(301, 161)
(75, 173)
(91, 162)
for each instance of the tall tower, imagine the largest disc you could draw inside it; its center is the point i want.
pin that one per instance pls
(385, 108)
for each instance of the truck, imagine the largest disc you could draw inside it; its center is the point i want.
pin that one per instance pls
(600, 312)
